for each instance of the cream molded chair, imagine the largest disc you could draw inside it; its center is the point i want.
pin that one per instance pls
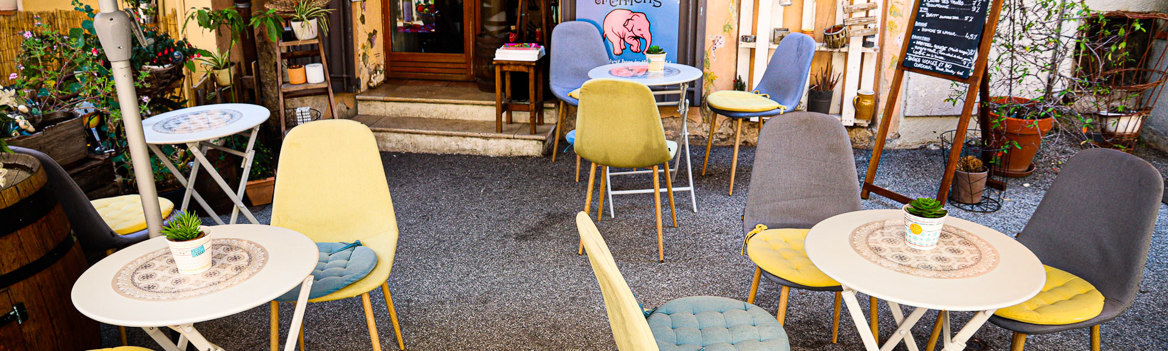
(332, 188)
(701, 322)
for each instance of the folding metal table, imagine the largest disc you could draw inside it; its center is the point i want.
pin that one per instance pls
(195, 128)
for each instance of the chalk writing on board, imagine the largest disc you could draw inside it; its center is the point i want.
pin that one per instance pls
(946, 35)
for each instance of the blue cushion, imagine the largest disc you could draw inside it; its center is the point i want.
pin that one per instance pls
(339, 265)
(715, 324)
(561, 92)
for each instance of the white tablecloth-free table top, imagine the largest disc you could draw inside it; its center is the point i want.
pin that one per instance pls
(639, 72)
(167, 129)
(291, 257)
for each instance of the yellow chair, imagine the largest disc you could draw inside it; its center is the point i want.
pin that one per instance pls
(332, 188)
(124, 348)
(618, 125)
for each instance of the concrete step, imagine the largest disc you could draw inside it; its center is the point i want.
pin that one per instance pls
(437, 102)
(453, 136)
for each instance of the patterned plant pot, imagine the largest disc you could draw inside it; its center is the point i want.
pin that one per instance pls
(922, 233)
(192, 256)
(656, 62)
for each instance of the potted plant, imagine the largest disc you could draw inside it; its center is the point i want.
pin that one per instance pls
(656, 58)
(969, 180)
(822, 90)
(260, 191)
(190, 246)
(306, 18)
(1017, 126)
(220, 66)
(923, 220)
(296, 75)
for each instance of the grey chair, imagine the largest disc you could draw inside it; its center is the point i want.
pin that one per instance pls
(1094, 222)
(783, 82)
(576, 49)
(804, 172)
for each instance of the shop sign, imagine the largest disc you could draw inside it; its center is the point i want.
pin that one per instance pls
(628, 27)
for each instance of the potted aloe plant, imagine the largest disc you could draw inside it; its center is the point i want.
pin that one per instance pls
(656, 58)
(190, 246)
(220, 66)
(822, 90)
(923, 220)
(305, 19)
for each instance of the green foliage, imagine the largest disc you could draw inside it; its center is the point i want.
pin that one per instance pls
(654, 50)
(216, 20)
(927, 208)
(824, 80)
(57, 72)
(305, 11)
(184, 227)
(270, 22)
(217, 60)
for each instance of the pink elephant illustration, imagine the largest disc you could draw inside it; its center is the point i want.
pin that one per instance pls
(623, 27)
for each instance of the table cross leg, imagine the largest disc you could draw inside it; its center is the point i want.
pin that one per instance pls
(904, 329)
(223, 184)
(966, 332)
(190, 186)
(298, 316)
(184, 182)
(161, 339)
(858, 317)
(188, 331)
(249, 155)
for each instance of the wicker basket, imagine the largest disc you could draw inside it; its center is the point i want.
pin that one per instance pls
(835, 37)
(292, 120)
(160, 81)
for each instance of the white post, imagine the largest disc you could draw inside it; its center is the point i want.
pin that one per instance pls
(113, 29)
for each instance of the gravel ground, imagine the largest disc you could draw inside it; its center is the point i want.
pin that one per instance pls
(486, 259)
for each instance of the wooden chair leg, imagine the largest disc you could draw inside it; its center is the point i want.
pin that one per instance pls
(577, 168)
(657, 205)
(784, 294)
(937, 327)
(588, 202)
(370, 323)
(737, 141)
(1018, 342)
(275, 342)
(669, 190)
(754, 285)
(1096, 339)
(401, 343)
(559, 130)
(709, 143)
(600, 202)
(122, 335)
(835, 317)
(874, 317)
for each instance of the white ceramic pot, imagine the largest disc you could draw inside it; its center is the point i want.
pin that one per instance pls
(1121, 124)
(223, 76)
(656, 62)
(922, 233)
(193, 256)
(305, 30)
(8, 5)
(314, 73)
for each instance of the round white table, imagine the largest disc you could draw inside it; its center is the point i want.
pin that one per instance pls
(290, 259)
(1016, 277)
(673, 75)
(195, 127)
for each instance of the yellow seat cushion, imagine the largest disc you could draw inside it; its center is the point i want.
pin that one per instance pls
(124, 348)
(575, 94)
(741, 101)
(123, 213)
(1065, 299)
(780, 252)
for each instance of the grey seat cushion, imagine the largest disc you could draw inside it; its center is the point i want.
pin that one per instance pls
(713, 323)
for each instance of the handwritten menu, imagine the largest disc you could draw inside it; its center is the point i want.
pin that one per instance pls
(946, 36)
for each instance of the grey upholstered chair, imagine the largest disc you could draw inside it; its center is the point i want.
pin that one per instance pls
(804, 172)
(783, 82)
(1094, 222)
(576, 49)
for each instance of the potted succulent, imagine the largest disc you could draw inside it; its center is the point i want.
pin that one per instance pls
(656, 58)
(220, 66)
(822, 90)
(969, 180)
(190, 246)
(923, 220)
(306, 18)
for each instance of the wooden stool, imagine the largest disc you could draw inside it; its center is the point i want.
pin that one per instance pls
(534, 105)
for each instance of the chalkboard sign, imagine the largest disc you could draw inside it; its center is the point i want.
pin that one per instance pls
(946, 35)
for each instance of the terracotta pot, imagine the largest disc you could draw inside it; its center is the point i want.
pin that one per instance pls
(819, 101)
(296, 75)
(1026, 134)
(259, 192)
(968, 187)
(305, 30)
(865, 104)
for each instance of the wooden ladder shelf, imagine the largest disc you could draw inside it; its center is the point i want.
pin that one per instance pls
(289, 91)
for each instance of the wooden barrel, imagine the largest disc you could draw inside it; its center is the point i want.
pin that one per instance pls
(39, 262)
(484, 56)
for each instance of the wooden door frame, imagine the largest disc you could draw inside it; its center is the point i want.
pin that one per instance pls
(456, 67)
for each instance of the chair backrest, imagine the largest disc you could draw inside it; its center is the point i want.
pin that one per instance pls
(618, 125)
(331, 185)
(92, 232)
(576, 48)
(1096, 221)
(804, 172)
(629, 327)
(787, 72)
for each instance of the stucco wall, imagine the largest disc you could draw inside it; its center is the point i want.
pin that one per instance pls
(367, 40)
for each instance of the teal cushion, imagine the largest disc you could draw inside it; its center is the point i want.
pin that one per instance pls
(715, 324)
(339, 265)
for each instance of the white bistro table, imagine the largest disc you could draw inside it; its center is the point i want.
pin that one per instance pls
(674, 75)
(974, 268)
(194, 127)
(252, 265)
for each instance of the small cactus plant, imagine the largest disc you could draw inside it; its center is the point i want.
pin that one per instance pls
(970, 164)
(926, 208)
(184, 227)
(654, 50)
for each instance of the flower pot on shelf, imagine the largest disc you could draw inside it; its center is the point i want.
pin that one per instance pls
(314, 73)
(922, 233)
(1023, 137)
(191, 256)
(835, 37)
(968, 187)
(305, 30)
(223, 76)
(656, 62)
(819, 101)
(259, 192)
(296, 75)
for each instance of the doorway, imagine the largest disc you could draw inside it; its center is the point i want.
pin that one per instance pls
(430, 39)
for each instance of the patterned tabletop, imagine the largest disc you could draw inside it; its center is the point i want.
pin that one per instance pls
(959, 254)
(154, 276)
(198, 121)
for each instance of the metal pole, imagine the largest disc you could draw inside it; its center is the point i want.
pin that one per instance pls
(113, 29)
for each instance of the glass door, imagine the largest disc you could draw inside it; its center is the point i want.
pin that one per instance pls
(430, 39)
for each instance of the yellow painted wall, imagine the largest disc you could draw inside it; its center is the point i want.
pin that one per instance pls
(50, 5)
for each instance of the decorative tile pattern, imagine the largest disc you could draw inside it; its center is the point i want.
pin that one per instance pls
(197, 121)
(959, 254)
(154, 276)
